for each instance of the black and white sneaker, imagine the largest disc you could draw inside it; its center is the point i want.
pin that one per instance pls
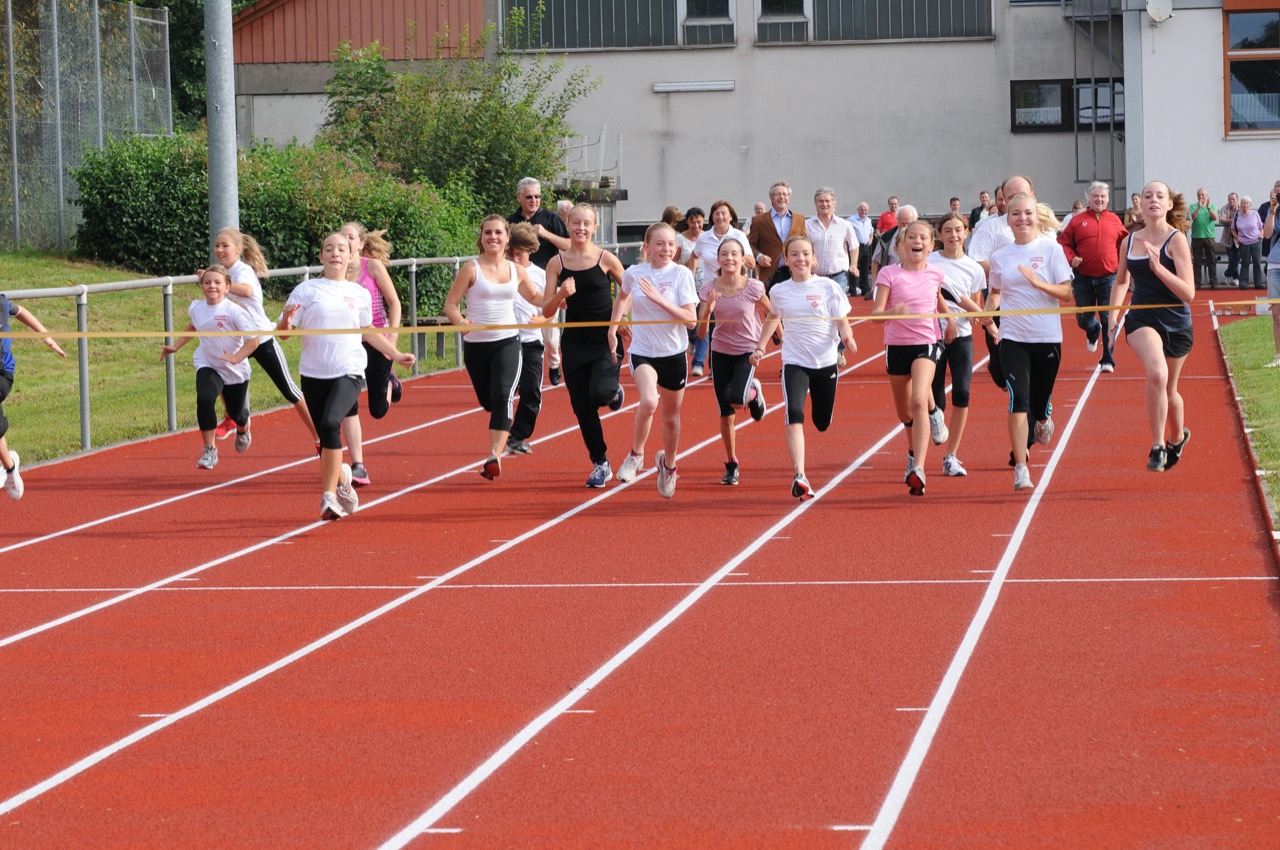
(1173, 451)
(730, 473)
(757, 405)
(800, 488)
(518, 447)
(619, 397)
(1158, 460)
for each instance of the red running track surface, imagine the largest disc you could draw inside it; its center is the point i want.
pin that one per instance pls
(190, 659)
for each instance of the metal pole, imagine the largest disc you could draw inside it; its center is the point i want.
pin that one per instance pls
(82, 349)
(171, 387)
(167, 100)
(457, 338)
(97, 70)
(133, 68)
(419, 350)
(220, 106)
(57, 127)
(13, 128)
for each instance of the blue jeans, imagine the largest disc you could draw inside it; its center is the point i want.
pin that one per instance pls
(1095, 292)
(1251, 258)
(842, 281)
(700, 345)
(1233, 261)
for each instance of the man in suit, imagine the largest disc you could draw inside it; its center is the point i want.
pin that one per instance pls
(979, 212)
(770, 231)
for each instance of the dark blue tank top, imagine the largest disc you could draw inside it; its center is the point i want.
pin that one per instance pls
(1149, 289)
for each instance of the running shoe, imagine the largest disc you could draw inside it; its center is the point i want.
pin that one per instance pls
(1013, 463)
(208, 458)
(915, 481)
(938, 427)
(491, 468)
(347, 498)
(1173, 451)
(698, 370)
(631, 467)
(840, 360)
(800, 488)
(1158, 459)
(397, 389)
(911, 463)
(329, 507)
(243, 439)
(1044, 432)
(1091, 343)
(953, 468)
(757, 404)
(599, 475)
(359, 475)
(666, 477)
(1107, 367)
(1273, 364)
(225, 428)
(619, 397)
(1022, 477)
(730, 473)
(554, 375)
(518, 447)
(13, 482)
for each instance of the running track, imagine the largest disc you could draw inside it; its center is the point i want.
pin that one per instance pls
(191, 660)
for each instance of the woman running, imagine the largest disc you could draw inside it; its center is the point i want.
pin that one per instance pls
(520, 249)
(490, 284)
(1157, 259)
(740, 305)
(814, 314)
(1031, 274)
(662, 300)
(581, 280)
(963, 285)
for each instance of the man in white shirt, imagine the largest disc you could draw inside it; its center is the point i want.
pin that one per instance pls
(835, 246)
(993, 232)
(864, 230)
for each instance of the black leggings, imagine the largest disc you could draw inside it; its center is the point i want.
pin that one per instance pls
(1030, 370)
(530, 391)
(270, 357)
(210, 385)
(377, 375)
(818, 384)
(731, 376)
(330, 400)
(959, 356)
(494, 368)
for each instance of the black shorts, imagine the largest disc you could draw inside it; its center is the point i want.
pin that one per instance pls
(731, 375)
(673, 371)
(898, 358)
(1175, 343)
(6, 387)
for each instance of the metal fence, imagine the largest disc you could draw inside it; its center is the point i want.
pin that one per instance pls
(75, 73)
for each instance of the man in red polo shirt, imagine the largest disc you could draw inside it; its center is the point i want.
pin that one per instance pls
(1091, 241)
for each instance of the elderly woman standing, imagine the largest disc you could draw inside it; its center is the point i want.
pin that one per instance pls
(1247, 229)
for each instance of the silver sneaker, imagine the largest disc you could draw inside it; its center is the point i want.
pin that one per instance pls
(1044, 432)
(938, 432)
(666, 477)
(13, 483)
(329, 507)
(243, 439)
(208, 458)
(1022, 477)
(631, 467)
(347, 498)
(951, 466)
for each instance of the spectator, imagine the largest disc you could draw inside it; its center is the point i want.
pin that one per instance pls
(888, 219)
(1204, 220)
(954, 205)
(770, 230)
(553, 235)
(835, 247)
(993, 232)
(886, 251)
(981, 211)
(1076, 207)
(1271, 238)
(563, 206)
(864, 231)
(1247, 230)
(758, 209)
(1133, 215)
(1091, 242)
(1227, 219)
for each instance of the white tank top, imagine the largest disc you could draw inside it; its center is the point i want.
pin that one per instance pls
(491, 303)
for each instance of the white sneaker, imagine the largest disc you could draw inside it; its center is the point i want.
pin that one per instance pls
(1111, 367)
(952, 467)
(915, 481)
(347, 498)
(13, 483)
(329, 507)
(938, 427)
(1022, 477)
(666, 477)
(208, 458)
(631, 467)
(1044, 432)
(699, 371)
(1273, 364)
(757, 405)
(1092, 344)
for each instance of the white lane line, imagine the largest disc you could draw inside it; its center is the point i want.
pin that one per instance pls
(891, 808)
(921, 708)
(858, 827)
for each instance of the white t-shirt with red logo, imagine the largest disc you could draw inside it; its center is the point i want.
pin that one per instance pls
(810, 336)
(224, 316)
(1045, 257)
(331, 304)
(675, 283)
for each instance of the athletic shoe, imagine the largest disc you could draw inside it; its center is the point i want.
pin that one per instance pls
(599, 475)
(518, 447)
(619, 397)
(1173, 451)
(225, 428)
(492, 468)
(1022, 478)
(631, 467)
(953, 468)
(698, 370)
(911, 463)
(208, 459)
(938, 427)
(757, 405)
(730, 473)
(15, 488)
(1091, 343)
(840, 360)
(397, 389)
(1158, 459)
(666, 477)
(1044, 432)
(329, 507)
(553, 374)
(347, 498)
(359, 475)
(915, 481)
(800, 488)
(243, 439)
(1107, 367)
(1273, 364)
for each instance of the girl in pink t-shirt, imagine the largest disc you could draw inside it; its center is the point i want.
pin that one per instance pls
(912, 348)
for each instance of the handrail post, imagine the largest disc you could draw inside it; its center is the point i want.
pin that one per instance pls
(416, 346)
(171, 386)
(457, 337)
(82, 350)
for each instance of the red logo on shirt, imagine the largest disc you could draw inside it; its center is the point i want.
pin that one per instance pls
(815, 301)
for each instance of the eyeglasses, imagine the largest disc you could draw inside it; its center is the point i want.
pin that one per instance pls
(533, 197)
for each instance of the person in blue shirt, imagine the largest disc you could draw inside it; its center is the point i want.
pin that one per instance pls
(9, 459)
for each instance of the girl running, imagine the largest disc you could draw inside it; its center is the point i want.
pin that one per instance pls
(220, 364)
(659, 292)
(524, 241)
(1033, 273)
(1157, 259)
(10, 463)
(581, 279)
(740, 305)
(490, 284)
(723, 216)
(240, 254)
(814, 313)
(963, 283)
(913, 346)
(333, 365)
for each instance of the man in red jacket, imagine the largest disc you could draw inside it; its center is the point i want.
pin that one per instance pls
(1091, 241)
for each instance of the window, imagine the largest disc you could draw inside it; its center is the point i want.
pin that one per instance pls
(872, 20)
(1101, 102)
(708, 22)
(606, 24)
(1253, 70)
(1040, 105)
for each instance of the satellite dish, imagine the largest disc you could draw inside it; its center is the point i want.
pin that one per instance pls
(1160, 10)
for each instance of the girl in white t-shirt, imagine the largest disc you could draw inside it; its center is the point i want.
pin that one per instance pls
(332, 365)
(1031, 274)
(220, 364)
(663, 304)
(521, 247)
(913, 346)
(814, 313)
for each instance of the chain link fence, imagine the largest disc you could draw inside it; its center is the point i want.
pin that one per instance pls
(73, 73)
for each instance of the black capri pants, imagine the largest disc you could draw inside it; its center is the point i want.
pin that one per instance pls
(818, 384)
(330, 400)
(377, 375)
(1030, 369)
(530, 387)
(210, 385)
(731, 376)
(958, 356)
(270, 357)
(494, 368)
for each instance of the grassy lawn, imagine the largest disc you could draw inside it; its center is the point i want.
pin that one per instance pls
(1249, 345)
(127, 376)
